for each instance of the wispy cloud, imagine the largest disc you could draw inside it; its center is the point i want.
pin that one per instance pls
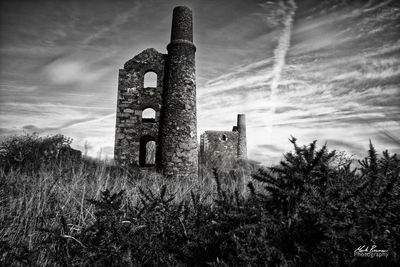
(329, 70)
(119, 20)
(329, 84)
(280, 53)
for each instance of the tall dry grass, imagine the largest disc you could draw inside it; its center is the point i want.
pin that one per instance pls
(313, 208)
(31, 201)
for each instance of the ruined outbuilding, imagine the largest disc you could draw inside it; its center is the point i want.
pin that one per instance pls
(156, 124)
(225, 144)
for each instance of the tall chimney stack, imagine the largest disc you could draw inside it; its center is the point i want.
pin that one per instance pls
(179, 148)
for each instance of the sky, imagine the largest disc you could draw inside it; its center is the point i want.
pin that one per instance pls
(326, 70)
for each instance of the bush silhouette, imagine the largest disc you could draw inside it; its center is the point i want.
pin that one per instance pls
(30, 151)
(313, 208)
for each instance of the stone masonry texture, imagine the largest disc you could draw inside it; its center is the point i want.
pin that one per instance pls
(173, 99)
(133, 98)
(242, 143)
(219, 145)
(179, 153)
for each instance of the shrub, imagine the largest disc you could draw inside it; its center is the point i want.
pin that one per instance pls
(313, 208)
(29, 152)
(322, 213)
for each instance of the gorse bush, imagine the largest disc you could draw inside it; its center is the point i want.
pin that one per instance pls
(312, 209)
(30, 151)
(322, 213)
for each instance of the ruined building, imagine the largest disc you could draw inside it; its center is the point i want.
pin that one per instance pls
(156, 126)
(225, 144)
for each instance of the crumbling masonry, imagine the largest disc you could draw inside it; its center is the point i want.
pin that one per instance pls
(225, 144)
(156, 126)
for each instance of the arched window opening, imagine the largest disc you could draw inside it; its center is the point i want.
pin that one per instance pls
(148, 115)
(150, 79)
(147, 153)
(224, 138)
(150, 153)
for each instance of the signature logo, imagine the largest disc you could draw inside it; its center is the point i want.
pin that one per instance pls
(371, 252)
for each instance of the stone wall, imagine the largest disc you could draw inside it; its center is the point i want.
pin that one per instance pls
(218, 146)
(173, 99)
(174, 129)
(133, 98)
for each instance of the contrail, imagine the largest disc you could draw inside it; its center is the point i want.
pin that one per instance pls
(280, 53)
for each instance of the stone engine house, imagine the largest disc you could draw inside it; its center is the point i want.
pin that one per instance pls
(225, 144)
(156, 124)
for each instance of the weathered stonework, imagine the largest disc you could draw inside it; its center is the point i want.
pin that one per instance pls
(133, 98)
(167, 142)
(174, 128)
(179, 128)
(242, 138)
(216, 146)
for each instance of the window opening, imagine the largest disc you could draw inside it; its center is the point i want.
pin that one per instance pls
(148, 115)
(150, 79)
(150, 153)
(147, 153)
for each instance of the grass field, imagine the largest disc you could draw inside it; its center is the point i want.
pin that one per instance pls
(312, 209)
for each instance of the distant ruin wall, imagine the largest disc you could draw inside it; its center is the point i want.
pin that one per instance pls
(219, 146)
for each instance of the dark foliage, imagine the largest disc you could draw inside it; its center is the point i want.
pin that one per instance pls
(314, 209)
(30, 152)
(324, 212)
